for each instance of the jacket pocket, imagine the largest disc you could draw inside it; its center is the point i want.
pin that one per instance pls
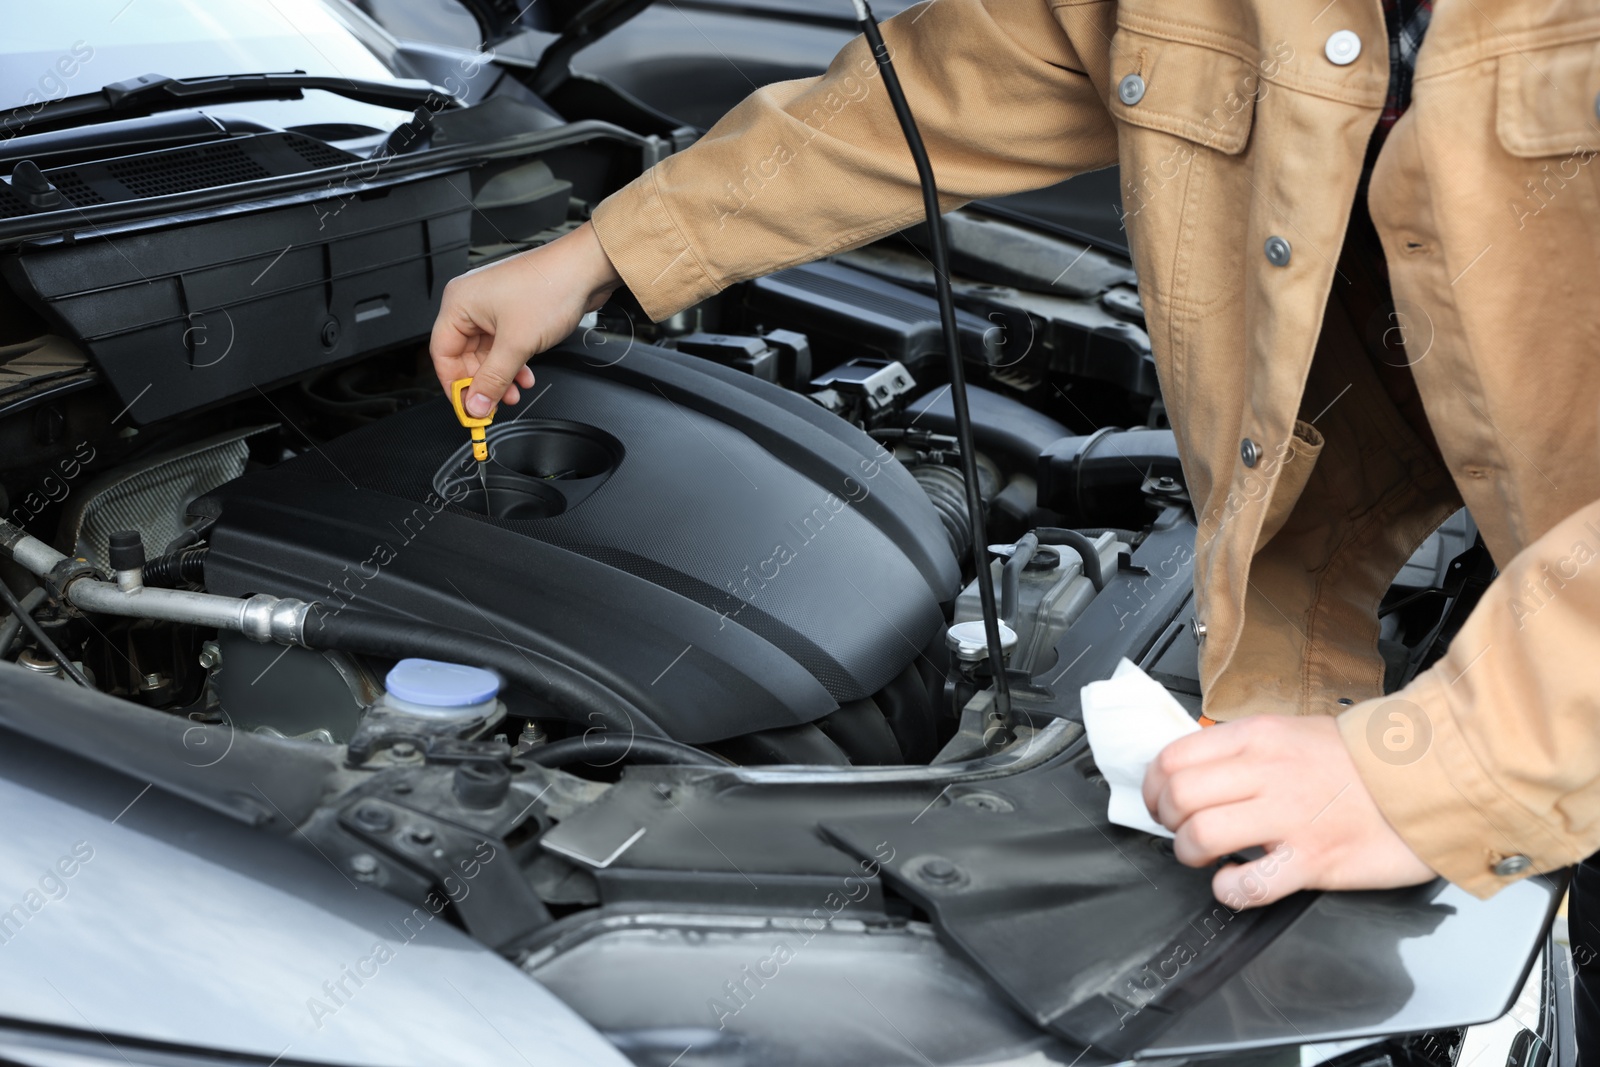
(1201, 94)
(1305, 445)
(1547, 99)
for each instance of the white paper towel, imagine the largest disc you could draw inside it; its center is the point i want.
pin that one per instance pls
(1130, 718)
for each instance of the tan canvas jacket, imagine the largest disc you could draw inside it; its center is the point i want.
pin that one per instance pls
(1243, 128)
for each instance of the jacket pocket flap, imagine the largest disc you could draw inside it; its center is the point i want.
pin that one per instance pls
(1188, 90)
(1547, 101)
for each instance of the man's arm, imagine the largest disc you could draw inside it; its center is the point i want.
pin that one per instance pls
(1485, 769)
(1493, 754)
(801, 169)
(1008, 94)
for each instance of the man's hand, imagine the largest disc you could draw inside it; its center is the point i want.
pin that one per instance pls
(495, 318)
(1275, 780)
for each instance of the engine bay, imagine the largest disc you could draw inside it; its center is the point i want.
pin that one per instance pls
(699, 647)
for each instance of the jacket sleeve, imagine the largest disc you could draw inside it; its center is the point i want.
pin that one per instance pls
(1493, 754)
(1005, 96)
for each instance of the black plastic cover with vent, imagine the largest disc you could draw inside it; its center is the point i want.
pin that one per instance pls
(860, 314)
(226, 161)
(188, 315)
(723, 551)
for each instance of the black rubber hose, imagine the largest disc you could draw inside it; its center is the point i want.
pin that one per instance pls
(1011, 577)
(177, 568)
(1092, 567)
(574, 695)
(43, 639)
(940, 247)
(13, 624)
(608, 749)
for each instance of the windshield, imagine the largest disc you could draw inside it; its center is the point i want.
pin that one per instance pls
(48, 51)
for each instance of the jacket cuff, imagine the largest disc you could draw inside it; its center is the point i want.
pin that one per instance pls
(1433, 790)
(646, 247)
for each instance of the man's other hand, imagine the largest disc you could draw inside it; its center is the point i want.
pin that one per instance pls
(495, 318)
(1275, 781)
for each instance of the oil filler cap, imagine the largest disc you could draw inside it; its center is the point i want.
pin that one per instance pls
(430, 683)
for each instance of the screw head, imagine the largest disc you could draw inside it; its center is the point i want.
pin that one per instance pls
(940, 871)
(364, 865)
(422, 835)
(989, 802)
(210, 655)
(403, 750)
(373, 817)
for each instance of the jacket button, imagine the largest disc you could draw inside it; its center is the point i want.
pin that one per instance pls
(1278, 251)
(1342, 48)
(1511, 866)
(1199, 629)
(1249, 451)
(1130, 90)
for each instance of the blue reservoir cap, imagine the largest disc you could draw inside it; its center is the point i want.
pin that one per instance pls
(441, 685)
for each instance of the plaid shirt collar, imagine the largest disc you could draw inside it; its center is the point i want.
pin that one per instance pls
(1407, 21)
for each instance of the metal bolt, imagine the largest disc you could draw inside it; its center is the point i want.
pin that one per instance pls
(422, 835)
(1249, 451)
(210, 655)
(150, 681)
(940, 871)
(374, 817)
(1130, 90)
(402, 788)
(1166, 484)
(402, 750)
(1278, 251)
(1512, 866)
(364, 865)
(533, 735)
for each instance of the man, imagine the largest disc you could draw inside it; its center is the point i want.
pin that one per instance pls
(1319, 450)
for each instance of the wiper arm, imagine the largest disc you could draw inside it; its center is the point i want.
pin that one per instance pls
(150, 93)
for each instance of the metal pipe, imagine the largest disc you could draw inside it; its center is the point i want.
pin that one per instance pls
(261, 617)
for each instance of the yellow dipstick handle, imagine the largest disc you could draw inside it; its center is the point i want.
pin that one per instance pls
(458, 397)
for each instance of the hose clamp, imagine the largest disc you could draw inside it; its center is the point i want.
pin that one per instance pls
(63, 574)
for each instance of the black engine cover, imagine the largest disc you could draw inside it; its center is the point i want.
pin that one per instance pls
(725, 553)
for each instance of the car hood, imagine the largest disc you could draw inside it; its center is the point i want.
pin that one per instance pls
(177, 926)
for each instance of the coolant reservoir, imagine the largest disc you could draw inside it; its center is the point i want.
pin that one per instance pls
(1050, 598)
(432, 689)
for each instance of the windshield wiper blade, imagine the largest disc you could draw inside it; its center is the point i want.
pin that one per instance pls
(150, 93)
